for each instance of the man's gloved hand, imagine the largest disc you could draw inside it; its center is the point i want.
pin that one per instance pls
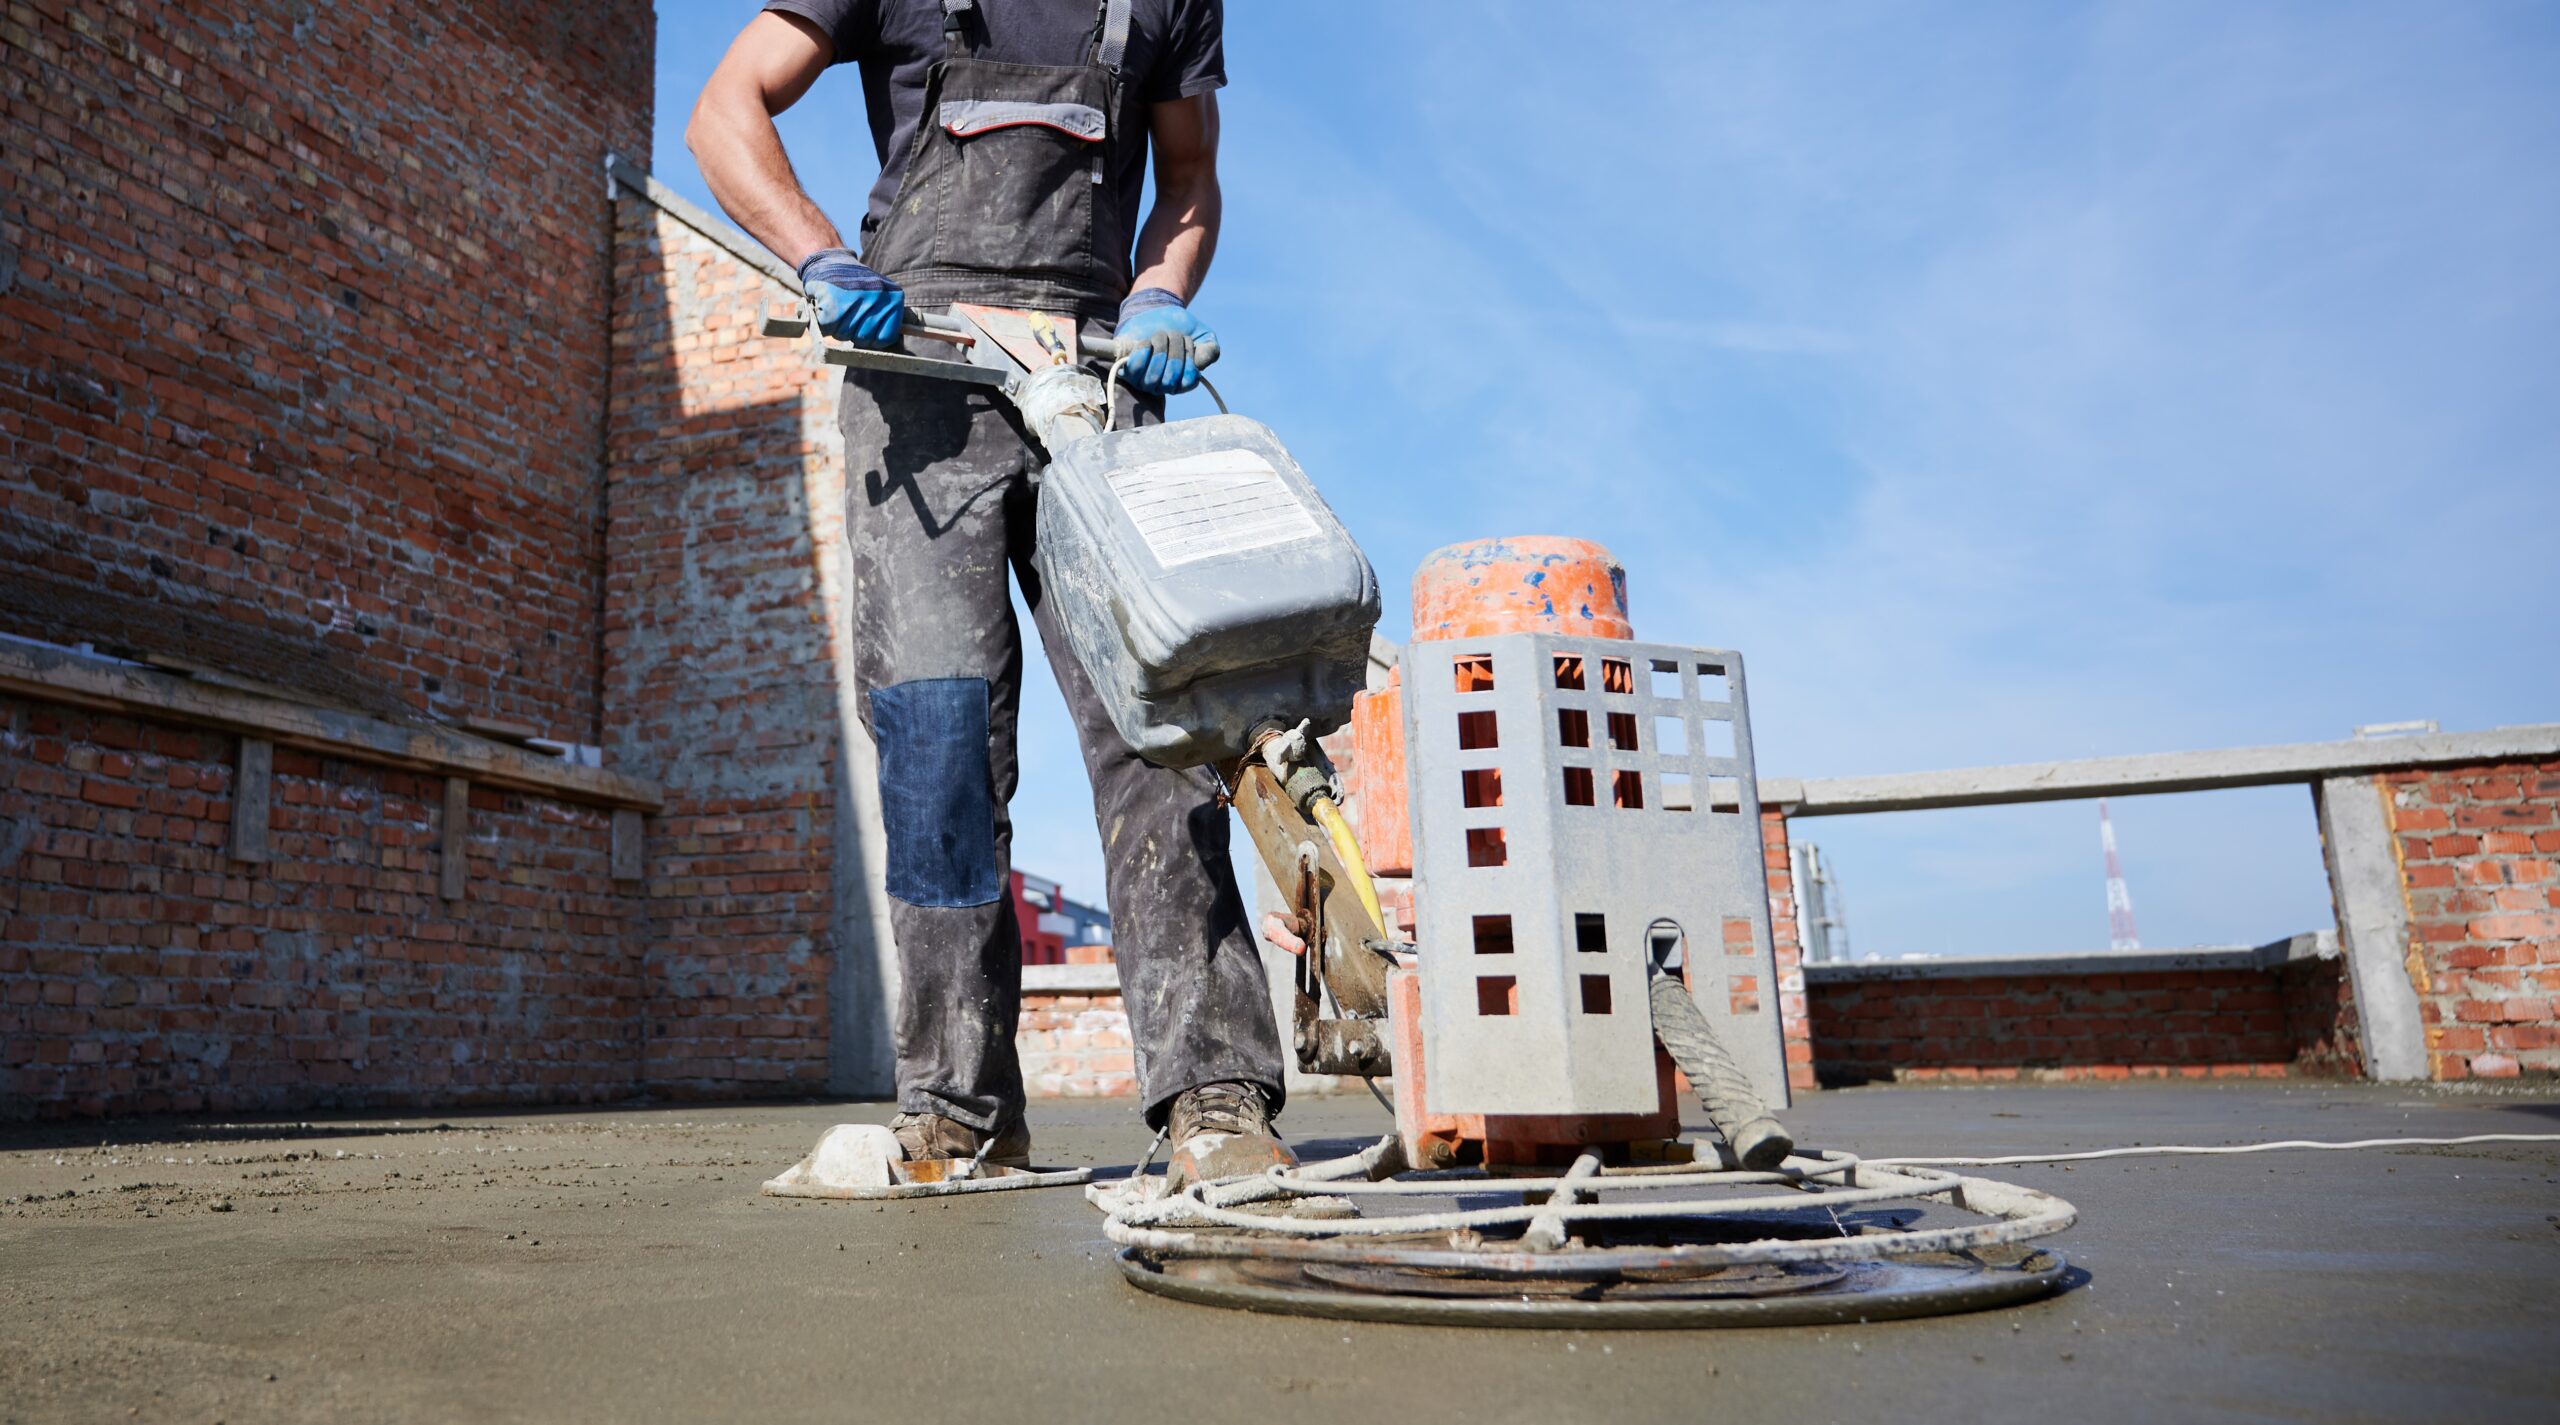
(853, 302)
(1164, 346)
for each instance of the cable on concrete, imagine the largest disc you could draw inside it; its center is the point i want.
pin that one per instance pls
(2188, 1149)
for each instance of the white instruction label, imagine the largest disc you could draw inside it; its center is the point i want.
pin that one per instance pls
(1219, 502)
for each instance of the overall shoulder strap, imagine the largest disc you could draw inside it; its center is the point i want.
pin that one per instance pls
(1114, 40)
(956, 15)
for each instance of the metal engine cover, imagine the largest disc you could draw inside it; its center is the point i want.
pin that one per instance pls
(1204, 585)
(1580, 805)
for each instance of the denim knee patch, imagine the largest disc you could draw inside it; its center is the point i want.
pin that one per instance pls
(936, 799)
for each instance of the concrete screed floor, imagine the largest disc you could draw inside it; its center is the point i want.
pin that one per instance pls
(618, 1264)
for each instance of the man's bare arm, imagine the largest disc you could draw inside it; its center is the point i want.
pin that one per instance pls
(1181, 234)
(771, 64)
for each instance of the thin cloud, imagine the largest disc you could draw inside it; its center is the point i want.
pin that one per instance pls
(2006, 382)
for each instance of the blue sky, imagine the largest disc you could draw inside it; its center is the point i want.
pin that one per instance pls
(2005, 381)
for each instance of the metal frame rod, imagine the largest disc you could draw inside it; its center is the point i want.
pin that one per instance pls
(1547, 1230)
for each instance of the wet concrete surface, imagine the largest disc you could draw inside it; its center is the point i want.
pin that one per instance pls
(618, 1264)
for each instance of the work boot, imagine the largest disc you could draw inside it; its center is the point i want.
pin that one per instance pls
(930, 1135)
(1222, 1130)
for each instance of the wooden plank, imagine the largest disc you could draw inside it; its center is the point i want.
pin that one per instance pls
(452, 861)
(208, 673)
(59, 675)
(628, 833)
(500, 729)
(252, 786)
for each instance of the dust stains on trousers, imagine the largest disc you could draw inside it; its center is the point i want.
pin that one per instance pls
(941, 510)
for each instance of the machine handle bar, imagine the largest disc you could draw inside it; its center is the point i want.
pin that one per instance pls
(957, 332)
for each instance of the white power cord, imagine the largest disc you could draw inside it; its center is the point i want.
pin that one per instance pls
(1111, 394)
(2163, 1150)
(2177, 1149)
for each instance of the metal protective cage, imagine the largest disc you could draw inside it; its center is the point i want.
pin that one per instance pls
(1581, 807)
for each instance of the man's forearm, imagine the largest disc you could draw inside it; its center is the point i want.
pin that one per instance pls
(740, 154)
(772, 63)
(1181, 235)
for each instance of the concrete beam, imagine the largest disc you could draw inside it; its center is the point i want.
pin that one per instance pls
(862, 1052)
(684, 210)
(2373, 924)
(1071, 979)
(2152, 773)
(60, 675)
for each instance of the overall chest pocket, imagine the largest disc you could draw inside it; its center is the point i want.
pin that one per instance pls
(1022, 178)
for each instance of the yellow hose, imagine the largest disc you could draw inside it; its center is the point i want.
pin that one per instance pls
(1338, 831)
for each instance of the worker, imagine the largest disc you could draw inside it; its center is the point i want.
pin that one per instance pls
(1013, 138)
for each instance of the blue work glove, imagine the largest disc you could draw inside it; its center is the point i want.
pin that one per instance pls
(1162, 345)
(853, 302)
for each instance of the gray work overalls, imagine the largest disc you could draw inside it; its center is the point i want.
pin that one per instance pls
(1005, 201)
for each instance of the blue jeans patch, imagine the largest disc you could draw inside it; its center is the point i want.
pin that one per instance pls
(937, 800)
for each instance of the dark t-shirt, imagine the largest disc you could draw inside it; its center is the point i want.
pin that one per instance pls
(1176, 50)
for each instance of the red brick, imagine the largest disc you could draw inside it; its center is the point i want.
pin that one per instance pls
(111, 794)
(2506, 817)
(2515, 927)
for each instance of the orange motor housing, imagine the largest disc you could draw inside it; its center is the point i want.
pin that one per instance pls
(1533, 583)
(1482, 589)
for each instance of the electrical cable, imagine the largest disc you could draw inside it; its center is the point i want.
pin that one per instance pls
(2188, 1149)
(1111, 394)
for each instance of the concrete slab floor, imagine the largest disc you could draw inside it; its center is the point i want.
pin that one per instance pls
(618, 1264)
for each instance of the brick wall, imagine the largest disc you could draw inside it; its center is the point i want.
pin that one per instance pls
(2477, 847)
(303, 378)
(1076, 1046)
(2227, 1023)
(302, 365)
(723, 626)
(2320, 1019)
(143, 970)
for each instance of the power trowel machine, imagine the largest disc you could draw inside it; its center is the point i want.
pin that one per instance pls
(1575, 937)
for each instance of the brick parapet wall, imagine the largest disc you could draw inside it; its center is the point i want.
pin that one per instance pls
(143, 970)
(300, 360)
(1076, 1046)
(2320, 1019)
(723, 615)
(2477, 848)
(2237, 1023)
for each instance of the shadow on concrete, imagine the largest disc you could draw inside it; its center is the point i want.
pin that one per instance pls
(354, 1123)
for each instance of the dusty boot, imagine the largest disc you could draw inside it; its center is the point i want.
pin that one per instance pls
(930, 1135)
(1222, 1130)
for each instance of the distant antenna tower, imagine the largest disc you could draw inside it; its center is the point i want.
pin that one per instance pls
(2120, 931)
(1822, 927)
